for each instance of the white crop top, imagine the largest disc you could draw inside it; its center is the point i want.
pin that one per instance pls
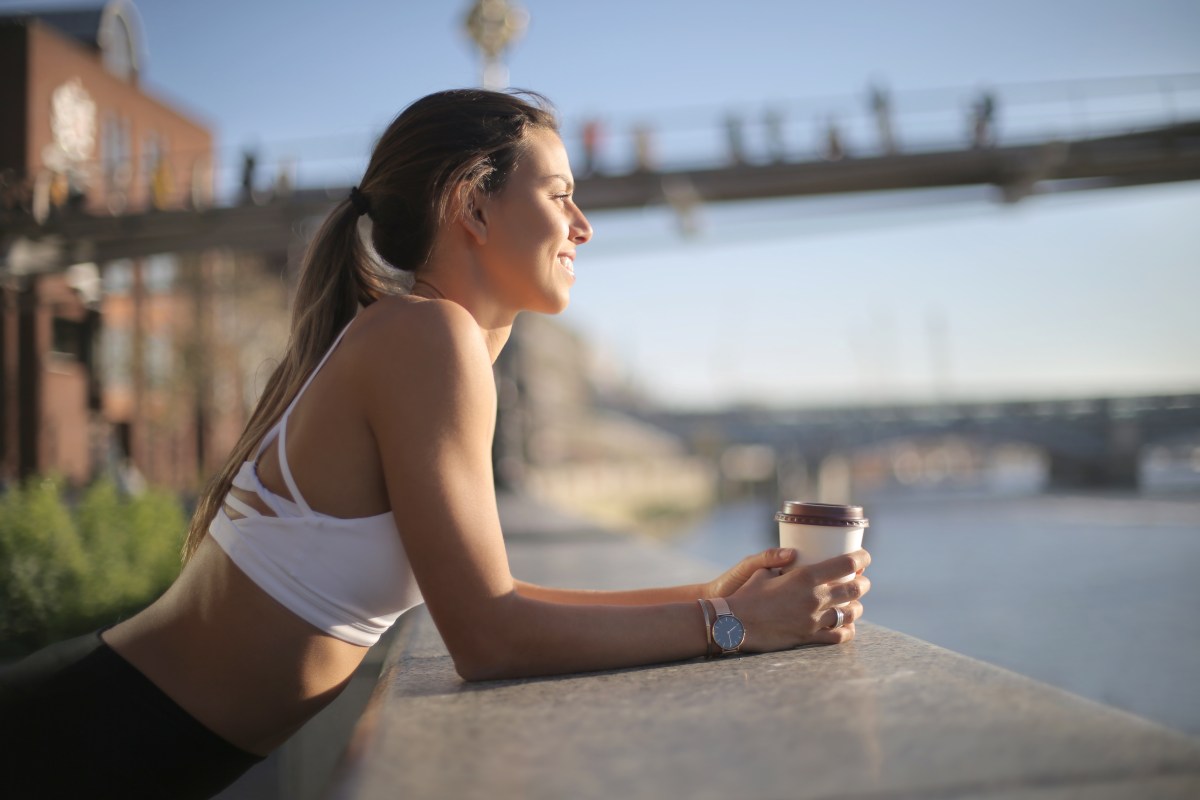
(348, 577)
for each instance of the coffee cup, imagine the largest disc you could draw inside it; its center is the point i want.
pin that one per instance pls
(820, 531)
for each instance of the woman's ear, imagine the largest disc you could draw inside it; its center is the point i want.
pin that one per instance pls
(473, 205)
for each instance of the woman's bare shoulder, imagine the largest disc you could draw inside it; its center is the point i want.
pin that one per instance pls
(434, 343)
(404, 327)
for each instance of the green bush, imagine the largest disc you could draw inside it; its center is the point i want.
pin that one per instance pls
(64, 572)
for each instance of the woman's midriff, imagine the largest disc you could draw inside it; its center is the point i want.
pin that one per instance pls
(234, 658)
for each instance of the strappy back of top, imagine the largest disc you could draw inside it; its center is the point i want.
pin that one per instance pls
(348, 577)
(278, 434)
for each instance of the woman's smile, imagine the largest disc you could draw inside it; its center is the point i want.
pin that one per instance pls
(567, 262)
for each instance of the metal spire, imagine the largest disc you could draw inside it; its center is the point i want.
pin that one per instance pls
(493, 26)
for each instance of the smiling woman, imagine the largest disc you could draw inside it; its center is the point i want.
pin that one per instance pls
(363, 483)
(534, 228)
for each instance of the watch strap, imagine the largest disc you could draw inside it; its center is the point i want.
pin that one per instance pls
(721, 607)
(708, 623)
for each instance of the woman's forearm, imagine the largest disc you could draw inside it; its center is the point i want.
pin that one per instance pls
(688, 593)
(546, 638)
(512, 635)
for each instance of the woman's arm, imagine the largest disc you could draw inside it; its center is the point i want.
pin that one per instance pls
(625, 597)
(429, 397)
(723, 586)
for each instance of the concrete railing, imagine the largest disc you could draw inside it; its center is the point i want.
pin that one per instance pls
(884, 716)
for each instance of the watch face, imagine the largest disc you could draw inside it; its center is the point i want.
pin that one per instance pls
(728, 632)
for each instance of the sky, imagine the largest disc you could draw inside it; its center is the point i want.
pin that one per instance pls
(865, 299)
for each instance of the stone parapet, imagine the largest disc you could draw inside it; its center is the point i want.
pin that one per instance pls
(884, 716)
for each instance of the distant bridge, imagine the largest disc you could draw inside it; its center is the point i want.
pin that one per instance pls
(1096, 442)
(1129, 146)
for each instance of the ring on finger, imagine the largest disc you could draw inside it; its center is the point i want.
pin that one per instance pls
(841, 618)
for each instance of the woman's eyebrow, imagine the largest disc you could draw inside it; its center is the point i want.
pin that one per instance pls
(563, 178)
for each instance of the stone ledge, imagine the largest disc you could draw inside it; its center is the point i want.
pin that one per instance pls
(884, 716)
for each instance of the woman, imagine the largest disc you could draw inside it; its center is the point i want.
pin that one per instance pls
(365, 472)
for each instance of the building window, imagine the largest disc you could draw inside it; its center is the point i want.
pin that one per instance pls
(160, 271)
(158, 360)
(116, 348)
(117, 276)
(116, 155)
(151, 153)
(156, 170)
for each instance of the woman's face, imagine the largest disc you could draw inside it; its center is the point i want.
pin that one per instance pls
(534, 228)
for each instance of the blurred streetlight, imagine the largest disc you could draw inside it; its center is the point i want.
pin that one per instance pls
(493, 25)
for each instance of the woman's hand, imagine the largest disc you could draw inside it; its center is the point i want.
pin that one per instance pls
(797, 607)
(731, 581)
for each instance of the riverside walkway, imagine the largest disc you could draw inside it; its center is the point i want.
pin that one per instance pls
(886, 716)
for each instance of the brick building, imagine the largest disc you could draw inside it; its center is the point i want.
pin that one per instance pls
(133, 366)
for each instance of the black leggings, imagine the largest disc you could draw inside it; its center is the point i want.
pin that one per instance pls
(77, 720)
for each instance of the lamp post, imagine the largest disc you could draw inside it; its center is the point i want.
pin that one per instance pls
(493, 25)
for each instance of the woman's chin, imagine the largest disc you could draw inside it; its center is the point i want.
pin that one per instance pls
(558, 306)
(554, 301)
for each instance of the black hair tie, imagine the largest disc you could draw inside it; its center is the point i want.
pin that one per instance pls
(360, 202)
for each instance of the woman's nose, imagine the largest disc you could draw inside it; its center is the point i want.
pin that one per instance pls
(581, 229)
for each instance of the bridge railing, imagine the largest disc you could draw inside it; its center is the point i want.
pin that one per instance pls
(925, 120)
(920, 121)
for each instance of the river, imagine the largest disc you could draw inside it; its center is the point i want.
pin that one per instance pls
(1097, 593)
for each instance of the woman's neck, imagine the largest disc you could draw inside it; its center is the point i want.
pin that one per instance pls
(426, 289)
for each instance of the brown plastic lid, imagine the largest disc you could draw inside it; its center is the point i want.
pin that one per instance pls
(800, 513)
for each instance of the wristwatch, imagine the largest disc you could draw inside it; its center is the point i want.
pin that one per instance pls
(727, 630)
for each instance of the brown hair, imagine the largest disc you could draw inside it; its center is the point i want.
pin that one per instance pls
(436, 151)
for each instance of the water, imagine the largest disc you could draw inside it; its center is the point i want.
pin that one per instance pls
(1095, 593)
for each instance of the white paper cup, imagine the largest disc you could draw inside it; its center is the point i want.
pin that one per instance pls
(820, 531)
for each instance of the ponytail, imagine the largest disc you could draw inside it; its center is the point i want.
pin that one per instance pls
(336, 278)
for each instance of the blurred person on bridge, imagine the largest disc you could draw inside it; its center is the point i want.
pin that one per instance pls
(362, 486)
(643, 149)
(834, 149)
(593, 139)
(881, 108)
(773, 128)
(734, 139)
(249, 170)
(983, 118)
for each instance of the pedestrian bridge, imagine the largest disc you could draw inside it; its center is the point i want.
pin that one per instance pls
(1022, 140)
(1153, 156)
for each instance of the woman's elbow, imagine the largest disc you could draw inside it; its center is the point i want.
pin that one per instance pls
(492, 647)
(473, 672)
(486, 663)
